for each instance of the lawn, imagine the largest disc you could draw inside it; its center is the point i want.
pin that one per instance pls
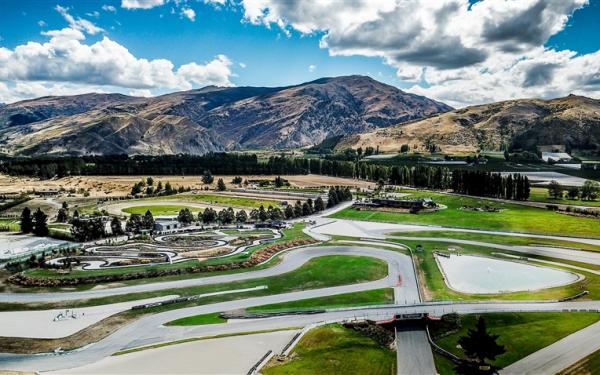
(364, 298)
(333, 349)
(512, 218)
(197, 320)
(223, 200)
(498, 239)
(316, 273)
(541, 195)
(159, 210)
(11, 224)
(520, 333)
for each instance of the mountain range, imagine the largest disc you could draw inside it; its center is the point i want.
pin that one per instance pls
(523, 124)
(207, 119)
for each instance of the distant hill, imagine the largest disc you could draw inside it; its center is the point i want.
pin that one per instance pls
(519, 124)
(207, 119)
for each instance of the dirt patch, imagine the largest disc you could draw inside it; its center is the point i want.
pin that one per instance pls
(91, 334)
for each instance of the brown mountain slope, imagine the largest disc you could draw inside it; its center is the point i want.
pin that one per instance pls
(209, 119)
(520, 124)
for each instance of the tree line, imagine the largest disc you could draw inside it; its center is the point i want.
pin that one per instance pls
(489, 184)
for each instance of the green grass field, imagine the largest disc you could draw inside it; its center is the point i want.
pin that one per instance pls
(159, 210)
(198, 320)
(499, 239)
(333, 349)
(364, 298)
(541, 195)
(11, 224)
(314, 274)
(520, 333)
(513, 217)
(222, 200)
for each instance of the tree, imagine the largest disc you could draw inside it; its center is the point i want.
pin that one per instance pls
(479, 345)
(241, 216)
(404, 149)
(75, 214)
(26, 221)
(159, 186)
(276, 214)
(590, 190)
(148, 221)
(279, 182)
(298, 209)
(319, 204)
(306, 210)
(254, 215)
(209, 215)
(207, 178)
(573, 192)
(237, 180)
(555, 190)
(136, 189)
(288, 212)
(185, 216)
(134, 223)
(65, 205)
(88, 229)
(40, 224)
(221, 185)
(62, 215)
(262, 214)
(115, 226)
(149, 181)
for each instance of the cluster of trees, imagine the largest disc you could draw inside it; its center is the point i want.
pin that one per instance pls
(147, 187)
(87, 229)
(589, 190)
(136, 222)
(36, 223)
(490, 184)
(337, 195)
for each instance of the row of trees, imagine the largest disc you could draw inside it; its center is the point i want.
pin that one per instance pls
(490, 184)
(589, 190)
(147, 187)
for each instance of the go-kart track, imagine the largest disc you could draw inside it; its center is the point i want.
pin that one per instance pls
(414, 353)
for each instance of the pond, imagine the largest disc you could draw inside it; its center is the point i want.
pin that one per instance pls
(482, 275)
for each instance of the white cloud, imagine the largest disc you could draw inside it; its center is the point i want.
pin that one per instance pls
(66, 63)
(188, 13)
(109, 8)
(242, 65)
(312, 68)
(41, 23)
(141, 92)
(79, 23)
(465, 54)
(94, 14)
(141, 4)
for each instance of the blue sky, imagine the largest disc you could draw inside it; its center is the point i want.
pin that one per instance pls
(287, 43)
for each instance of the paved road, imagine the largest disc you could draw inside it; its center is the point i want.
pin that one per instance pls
(149, 329)
(559, 355)
(291, 261)
(414, 355)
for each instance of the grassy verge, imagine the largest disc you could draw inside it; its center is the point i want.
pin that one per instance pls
(588, 366)
(316, 273)
(159, 210)
(198, 320)
(541, 195)
(520, 333)
(499, 239)
(512, 217)
(333, 349)
(221, 200)
(11, 224)
(365, 298)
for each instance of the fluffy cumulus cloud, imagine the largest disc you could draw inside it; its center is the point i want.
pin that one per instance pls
(451, 50)
(66, 64)
(141, 4)
(188, 13)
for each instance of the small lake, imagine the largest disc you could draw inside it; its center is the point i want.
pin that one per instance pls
(482, 275)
